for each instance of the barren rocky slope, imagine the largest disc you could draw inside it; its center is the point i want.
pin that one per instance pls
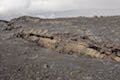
(60, 49)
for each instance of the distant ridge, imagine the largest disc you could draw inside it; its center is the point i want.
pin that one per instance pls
(69, 13)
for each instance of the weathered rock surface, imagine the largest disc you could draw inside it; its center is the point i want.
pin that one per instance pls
(60, 49)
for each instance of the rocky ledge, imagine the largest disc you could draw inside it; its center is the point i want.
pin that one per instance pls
(96, 37)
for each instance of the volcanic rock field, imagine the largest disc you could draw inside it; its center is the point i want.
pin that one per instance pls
(80, 48)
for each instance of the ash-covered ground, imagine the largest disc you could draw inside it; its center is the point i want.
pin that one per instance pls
(60, 49)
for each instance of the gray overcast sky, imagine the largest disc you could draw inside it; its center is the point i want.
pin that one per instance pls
(9, 8)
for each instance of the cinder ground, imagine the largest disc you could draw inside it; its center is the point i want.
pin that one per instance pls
(37, 49)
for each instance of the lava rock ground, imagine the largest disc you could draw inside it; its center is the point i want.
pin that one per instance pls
(22, 59)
